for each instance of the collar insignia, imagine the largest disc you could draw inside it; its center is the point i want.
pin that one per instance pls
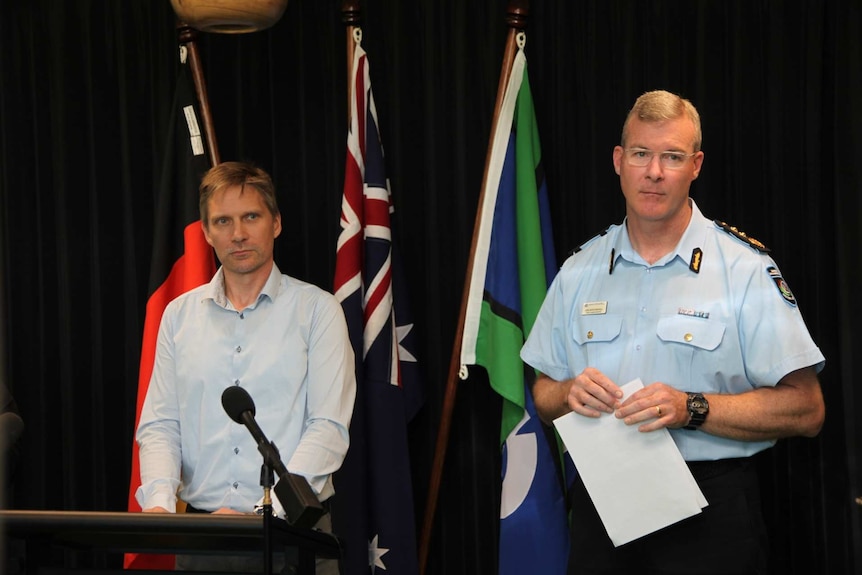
(696, 258)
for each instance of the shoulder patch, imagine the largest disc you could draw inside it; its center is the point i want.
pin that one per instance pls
(782, 286)
(756, 244)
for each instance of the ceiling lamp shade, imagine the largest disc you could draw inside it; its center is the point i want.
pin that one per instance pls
(229, 16)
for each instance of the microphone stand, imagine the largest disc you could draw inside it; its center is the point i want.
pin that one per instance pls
(267, 480)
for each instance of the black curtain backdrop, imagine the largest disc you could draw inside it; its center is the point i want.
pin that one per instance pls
(85, 94)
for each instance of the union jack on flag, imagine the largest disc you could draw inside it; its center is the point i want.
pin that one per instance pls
(373, 507)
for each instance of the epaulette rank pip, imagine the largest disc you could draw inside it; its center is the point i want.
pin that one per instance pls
(756, 244)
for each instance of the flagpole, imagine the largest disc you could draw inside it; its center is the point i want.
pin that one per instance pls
(516, 18)
(351, 16)
(193, 276)
(188, 36)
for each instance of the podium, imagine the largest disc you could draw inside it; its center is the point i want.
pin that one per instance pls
(161, 533)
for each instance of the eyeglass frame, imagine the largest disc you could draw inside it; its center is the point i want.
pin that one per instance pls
(661, 156)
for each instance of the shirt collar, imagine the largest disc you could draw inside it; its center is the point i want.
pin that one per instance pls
(691, 242)
(215, 288)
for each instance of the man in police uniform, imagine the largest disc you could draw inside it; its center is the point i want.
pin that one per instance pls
(701, 314)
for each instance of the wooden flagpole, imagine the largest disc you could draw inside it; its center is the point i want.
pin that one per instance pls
(188, 36)
(516, 18)
(351, 16)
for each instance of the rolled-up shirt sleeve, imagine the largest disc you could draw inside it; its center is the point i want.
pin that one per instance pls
(158, 433)
(331, 395)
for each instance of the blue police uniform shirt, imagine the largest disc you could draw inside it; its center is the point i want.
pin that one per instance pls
(713, 316)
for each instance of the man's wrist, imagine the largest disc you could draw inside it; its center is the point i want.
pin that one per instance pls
(698, 409)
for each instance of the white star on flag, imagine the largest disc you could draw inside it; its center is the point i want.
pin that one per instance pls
(375, 555)
(401, 332)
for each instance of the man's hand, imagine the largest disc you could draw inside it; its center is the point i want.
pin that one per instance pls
(227, 511)
(156, 509)
(592, 393)
(656, 406)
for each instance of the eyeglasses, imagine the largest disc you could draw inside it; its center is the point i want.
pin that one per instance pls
(641, 158)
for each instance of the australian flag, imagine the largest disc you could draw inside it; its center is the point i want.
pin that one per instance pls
(373, 509)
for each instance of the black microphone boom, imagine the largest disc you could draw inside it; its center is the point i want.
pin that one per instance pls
(301, 505)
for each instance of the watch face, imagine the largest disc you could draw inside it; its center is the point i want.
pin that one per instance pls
(698, 408)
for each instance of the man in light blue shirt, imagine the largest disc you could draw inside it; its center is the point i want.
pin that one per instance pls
(284, 341)
(701, 314)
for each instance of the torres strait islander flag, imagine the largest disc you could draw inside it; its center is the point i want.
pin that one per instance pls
(181, 259)
(513, 266)
(372, 509)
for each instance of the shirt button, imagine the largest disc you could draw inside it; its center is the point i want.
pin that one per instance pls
(637, 347)
(238, 348)
(589, 335)
(236, 485)
(236, 450)
(236, 382)
(241, 315)
(688, 337)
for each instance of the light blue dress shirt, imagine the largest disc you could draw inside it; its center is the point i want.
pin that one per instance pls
(713, 316)
(290, 351)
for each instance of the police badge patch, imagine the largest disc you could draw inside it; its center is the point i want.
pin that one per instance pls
(783, 288)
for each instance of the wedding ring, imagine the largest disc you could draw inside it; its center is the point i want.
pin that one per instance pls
(658, 410)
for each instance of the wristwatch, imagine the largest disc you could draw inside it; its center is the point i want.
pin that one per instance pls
(698, 409)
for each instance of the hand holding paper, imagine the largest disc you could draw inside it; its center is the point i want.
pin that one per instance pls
(638, 481)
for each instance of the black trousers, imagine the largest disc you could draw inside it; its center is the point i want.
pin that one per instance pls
(727, 537)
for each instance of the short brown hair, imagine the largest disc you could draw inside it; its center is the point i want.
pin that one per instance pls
(659, 105)
(228, 174)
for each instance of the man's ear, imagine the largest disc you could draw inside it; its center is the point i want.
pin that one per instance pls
(618, 158)
(206, 233)
(698, 162)
(276, 226)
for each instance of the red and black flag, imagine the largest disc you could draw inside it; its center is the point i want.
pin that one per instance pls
(181, 257)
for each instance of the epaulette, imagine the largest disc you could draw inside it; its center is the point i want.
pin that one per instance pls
(589, 241)
(756, 244)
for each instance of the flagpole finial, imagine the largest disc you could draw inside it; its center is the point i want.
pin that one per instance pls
(351, 13)
(517, 13)
(186, 33)
(229, 16)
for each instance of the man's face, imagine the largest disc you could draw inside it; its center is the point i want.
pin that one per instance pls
(241, 229)
(656, 192)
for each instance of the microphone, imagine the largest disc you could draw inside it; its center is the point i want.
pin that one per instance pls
(293, 491)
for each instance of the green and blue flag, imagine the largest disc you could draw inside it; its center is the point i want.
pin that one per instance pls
(514, 263)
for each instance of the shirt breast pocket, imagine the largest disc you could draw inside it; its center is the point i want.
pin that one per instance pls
(592, 333)
(694, 333)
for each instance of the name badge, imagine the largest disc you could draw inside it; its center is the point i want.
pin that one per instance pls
(594, 308)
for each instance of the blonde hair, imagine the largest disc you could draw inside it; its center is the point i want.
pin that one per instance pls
(658, 106)
(229, 174)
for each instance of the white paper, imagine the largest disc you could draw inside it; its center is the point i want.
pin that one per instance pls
(638, 481)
